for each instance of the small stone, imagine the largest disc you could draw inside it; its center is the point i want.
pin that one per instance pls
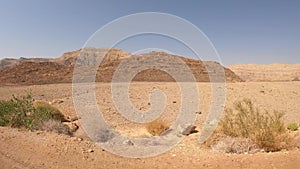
(189, 130)
(174, 102)
(186, 129)
(72, 126)
(90, 150)
(58, 101)
(213, 122)
(128, 142)
(79, 139)
(73, 118)
(73, 138)
(39, 132)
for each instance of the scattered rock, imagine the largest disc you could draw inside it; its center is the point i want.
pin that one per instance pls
(186, 129)
(190, 129)
(128, 142)
(73, 138)
(71, 119)
(174, 102)
(39, 132)
(76, 139)
(72, 126)
(56, 101)
(90, 150)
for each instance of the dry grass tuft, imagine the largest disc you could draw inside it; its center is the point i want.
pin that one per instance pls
(55, 126)
(235, 145)
(157, 127)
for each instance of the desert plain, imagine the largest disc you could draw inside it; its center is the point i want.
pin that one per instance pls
(20, 148)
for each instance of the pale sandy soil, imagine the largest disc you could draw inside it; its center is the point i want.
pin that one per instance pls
(24, 149)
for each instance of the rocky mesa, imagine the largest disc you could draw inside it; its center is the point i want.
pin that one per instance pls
(60, 70)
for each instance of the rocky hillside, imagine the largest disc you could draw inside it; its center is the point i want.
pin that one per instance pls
(60, 70)
(11, 62)
(271, 72)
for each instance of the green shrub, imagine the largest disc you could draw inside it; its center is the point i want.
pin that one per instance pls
(44, 112)
(264, 129)
(21, 112)
(292, 126)
(6, 107)
(17, 111)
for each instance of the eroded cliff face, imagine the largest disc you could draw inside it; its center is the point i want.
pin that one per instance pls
(270, 72)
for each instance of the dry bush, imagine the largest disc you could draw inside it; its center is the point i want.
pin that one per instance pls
(235, 145)
(263, 129)
(157, 127)
(55, 126)
(214, 138)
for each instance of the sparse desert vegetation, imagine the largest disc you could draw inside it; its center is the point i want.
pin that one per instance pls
(23, 112)
(292, 126)
(233, 152)
(262, 128)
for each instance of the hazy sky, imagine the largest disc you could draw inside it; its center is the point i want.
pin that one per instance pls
(256, 31)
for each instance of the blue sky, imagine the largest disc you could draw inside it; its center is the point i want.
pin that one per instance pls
(242, 31)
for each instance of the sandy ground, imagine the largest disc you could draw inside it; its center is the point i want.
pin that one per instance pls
(24, 149)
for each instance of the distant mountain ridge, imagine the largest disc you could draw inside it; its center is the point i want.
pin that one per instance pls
(267, 72)
(60, 70)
